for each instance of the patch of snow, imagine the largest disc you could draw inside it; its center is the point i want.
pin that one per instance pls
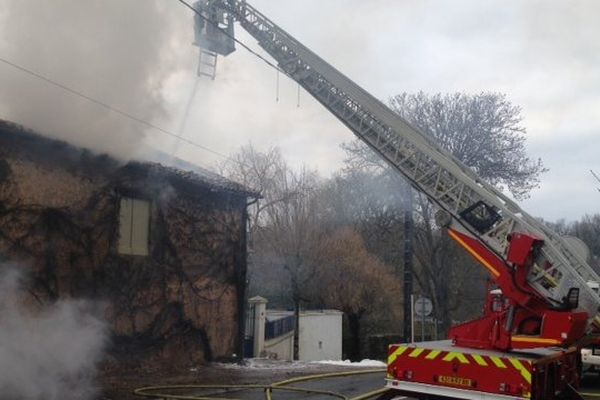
(362, 363)
(265, 363)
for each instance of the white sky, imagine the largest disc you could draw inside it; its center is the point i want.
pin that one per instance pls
(544, 54)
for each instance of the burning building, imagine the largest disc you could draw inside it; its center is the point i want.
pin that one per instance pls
(164, 251)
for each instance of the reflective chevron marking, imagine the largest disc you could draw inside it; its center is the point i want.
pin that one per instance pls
(479, 360)
(498, 362)
(416, 352)
(395, 354)
(522, 369)
(455, 355)
(522, 366)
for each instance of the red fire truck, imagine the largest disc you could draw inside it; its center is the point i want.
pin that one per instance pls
(443, 368)
(541, 311)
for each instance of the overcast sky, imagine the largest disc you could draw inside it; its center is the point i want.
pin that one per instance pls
(545, 55)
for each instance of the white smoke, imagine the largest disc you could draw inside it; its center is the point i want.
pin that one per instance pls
(115, 51)
(48, 353)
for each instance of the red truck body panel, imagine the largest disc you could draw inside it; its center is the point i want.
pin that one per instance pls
(443, 369)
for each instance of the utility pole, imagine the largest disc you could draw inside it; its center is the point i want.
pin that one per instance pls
(407, 272)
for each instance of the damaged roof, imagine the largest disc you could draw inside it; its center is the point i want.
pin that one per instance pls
(198, 176)
(58, 150)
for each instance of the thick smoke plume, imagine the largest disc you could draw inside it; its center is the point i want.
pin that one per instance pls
(48, 353)
(115, 51)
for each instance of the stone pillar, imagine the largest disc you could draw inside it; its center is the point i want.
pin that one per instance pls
(260, 317)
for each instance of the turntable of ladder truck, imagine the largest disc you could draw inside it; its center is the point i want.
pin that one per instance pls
(541, 312)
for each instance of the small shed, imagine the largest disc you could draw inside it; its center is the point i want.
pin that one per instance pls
(271, 333)
(320, 336)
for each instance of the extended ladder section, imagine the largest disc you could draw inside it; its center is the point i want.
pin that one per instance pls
(471, 206)
(207, 64)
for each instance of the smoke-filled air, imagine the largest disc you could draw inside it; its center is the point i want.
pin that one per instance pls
(113, 51)
(48, 353)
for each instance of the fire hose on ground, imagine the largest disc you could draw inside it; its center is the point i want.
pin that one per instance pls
(167, 392)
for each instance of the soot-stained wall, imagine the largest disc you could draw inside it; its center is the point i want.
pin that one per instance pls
(59, 221)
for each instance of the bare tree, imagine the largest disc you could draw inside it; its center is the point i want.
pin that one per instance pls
(588, 230)
(292, 234)
(369, 202)
(260, 171)
(484, 131)
(283, 227)
(354, 281)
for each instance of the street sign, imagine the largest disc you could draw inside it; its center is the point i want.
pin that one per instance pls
(423, 307)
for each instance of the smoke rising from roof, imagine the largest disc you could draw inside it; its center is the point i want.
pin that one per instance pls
(50, 353)
(113, 50)
(540, 53)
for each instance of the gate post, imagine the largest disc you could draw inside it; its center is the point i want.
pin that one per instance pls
(260, 316)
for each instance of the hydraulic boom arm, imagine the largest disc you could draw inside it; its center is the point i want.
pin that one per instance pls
(535, 268)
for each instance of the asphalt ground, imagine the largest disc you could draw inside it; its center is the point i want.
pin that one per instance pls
(355, 385)
(349, 386)
(591, 385)
(324, 388)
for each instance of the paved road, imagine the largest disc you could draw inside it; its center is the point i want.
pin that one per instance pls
(353, 386)
(350, 386)
(356, 385)
(591, 385)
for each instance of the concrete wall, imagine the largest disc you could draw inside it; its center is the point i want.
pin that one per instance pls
(320, 335)
(280, 348)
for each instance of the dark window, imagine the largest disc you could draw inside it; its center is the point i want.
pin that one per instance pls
(481, 216)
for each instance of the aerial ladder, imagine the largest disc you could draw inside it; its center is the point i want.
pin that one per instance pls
(542, 300)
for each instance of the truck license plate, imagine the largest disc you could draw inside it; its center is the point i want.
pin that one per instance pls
(596, 351)
(455, 381)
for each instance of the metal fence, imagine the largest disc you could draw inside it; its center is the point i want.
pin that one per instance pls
(279, 327)
(249, 332)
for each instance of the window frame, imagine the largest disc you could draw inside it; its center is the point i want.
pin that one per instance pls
(132, 249)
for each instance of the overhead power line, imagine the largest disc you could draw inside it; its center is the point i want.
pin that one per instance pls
(130, 116)
(112, 108)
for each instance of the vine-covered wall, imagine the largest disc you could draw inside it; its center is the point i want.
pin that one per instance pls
(59, 221)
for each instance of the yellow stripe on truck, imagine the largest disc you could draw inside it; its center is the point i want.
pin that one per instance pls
(529, 339)
(398, 352)
(479, 360)
(498, 362)
(416, 352)
(460, 356)
(521, 368)
(476, 255)
(433, 354)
